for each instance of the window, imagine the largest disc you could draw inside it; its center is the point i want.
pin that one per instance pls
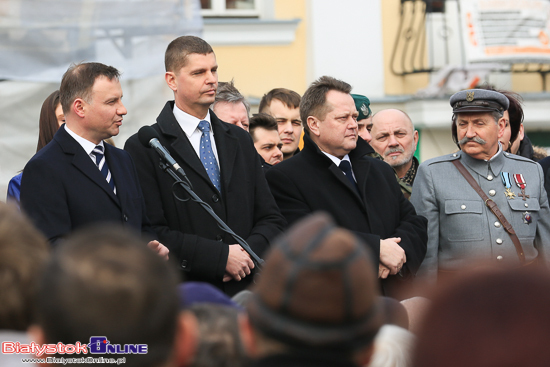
(230, 8)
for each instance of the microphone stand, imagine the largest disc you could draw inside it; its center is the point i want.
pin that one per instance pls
(258, 262)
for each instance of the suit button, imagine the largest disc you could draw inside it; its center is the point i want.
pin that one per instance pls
(499, 258)
(215, 198)
(219, 238)
(125, 217)
(463, 207)
(499, 241)
(526, 205)
(492, 192)
(184, 264)
(490, 177)
(497, 224)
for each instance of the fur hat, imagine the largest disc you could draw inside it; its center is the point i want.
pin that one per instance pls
(318, 289)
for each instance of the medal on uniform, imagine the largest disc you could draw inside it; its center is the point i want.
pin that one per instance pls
(527, 218)
(520, 181)
(508, 184)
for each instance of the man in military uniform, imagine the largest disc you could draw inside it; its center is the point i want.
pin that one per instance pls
(461, 228)
(364, 120)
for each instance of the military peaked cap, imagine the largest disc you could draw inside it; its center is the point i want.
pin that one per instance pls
(479, 100)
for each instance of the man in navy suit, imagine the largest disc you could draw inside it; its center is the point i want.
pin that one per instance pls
(335, 173)
(77, 179)
(222, 165)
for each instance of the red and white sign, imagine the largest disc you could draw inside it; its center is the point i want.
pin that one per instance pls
(506, 30)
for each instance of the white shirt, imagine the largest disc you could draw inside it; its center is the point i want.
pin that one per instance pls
(337, 162)
(88, 147)
(190, 126)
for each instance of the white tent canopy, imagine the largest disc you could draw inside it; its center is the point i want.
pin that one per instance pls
(35, 51)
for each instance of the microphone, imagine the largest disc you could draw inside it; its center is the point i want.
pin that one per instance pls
(150, 138)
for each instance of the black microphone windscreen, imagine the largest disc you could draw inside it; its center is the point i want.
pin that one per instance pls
(145, 134)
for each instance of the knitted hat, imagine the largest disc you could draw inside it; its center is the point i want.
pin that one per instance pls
(192, 293)
(318, 289)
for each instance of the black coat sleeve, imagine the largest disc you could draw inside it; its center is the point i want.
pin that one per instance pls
(204, 258)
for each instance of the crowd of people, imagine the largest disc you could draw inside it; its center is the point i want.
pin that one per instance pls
(213, 239)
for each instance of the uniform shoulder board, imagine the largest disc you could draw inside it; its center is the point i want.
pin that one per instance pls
(443, 158)
(517, 157)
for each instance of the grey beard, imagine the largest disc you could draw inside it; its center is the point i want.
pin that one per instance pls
(394, 150)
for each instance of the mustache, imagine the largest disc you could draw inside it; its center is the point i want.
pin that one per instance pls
(394, 150)
(475, 139)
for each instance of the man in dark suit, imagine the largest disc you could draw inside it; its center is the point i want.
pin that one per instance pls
(77, 180)
(334, 173)
(222, 165)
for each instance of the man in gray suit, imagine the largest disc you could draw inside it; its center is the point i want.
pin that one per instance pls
(461, 228)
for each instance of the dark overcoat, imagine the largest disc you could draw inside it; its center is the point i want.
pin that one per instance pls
(310, 181)
(245, 202)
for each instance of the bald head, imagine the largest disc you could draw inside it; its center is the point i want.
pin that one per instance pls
(394, 137)
(392, 114)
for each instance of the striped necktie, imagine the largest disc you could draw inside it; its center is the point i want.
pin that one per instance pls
(208, 158)
(102, 165)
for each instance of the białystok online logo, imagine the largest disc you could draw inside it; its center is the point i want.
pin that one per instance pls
(97, 345)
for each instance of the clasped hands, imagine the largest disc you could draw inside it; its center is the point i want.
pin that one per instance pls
(239, 264)
(159, 249)
(392, 257)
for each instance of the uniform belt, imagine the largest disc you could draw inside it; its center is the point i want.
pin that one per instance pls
(494, 209)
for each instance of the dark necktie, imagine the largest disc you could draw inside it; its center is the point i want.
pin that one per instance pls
(102, 165)
(345, 166)
(207, 155)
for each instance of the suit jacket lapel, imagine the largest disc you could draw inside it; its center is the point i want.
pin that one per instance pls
(180, 144)
(227, 146)
(310, 148)
(83, 162)
(340, 175)
(361, 167)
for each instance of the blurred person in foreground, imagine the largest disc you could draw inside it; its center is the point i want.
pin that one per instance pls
(102, 283)
(317, 302)
(219, 342)
(488, 318)
(462, 224)
(393, 347)
(23, 254)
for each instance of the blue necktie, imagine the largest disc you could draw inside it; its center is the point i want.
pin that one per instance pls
(345, 166)
(102, 165)
(207, 155)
